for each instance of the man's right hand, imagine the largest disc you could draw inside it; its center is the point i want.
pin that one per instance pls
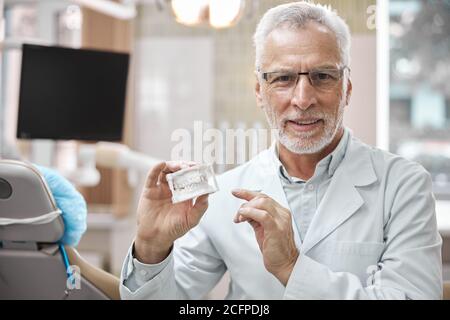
(160, 222)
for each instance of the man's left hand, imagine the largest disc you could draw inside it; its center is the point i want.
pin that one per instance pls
(272, 224)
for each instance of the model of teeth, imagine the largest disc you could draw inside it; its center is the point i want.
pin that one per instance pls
(192, 182)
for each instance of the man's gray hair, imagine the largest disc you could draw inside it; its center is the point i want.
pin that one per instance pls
(297, 14)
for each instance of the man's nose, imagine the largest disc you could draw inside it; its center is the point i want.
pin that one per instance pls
(304, 94)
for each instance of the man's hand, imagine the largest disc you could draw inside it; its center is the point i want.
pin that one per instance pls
(273, 229)
(160, 222)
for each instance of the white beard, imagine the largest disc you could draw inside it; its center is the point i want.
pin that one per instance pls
(302, 143)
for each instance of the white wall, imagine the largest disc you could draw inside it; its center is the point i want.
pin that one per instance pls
(360, 115)
(174, 88)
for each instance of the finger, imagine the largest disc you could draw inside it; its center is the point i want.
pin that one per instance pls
(259, 200)
(152, 178)
(263, 202)
(258, 215)
(199, 208)
(254, 224)
(239, 218)
(171, 167)
(174, 166)
(190, 163)
(185, 205)
(245, 194)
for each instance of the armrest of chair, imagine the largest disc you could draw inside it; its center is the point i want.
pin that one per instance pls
(104, 281)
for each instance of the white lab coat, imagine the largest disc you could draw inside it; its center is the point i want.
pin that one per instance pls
(374, 236)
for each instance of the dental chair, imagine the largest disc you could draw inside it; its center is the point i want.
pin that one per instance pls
(32, 263)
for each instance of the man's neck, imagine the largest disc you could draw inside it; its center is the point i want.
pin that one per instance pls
(303, 165)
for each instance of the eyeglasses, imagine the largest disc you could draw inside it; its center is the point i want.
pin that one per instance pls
(321, 79)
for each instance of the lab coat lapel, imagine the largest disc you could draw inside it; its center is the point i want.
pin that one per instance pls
(342, 198)
(339, 203)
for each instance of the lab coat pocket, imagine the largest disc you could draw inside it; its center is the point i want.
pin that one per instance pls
(359, 258)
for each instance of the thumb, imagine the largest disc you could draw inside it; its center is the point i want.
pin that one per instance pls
(245, 194)
(199, 208)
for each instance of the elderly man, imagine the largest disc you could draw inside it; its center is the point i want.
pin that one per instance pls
(320, 215)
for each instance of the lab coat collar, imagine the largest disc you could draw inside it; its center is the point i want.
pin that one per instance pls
(327, 165)
(342, 198)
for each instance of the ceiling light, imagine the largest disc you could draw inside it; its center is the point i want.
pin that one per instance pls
(224, 13)
(190, 12)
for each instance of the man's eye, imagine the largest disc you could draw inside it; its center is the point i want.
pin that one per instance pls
(323, 76)
(283, 78)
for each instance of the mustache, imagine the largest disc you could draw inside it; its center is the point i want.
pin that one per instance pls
(305, 115)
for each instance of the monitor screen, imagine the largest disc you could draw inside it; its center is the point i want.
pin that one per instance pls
(70, 94)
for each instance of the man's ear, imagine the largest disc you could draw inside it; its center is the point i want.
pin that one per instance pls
(258, 91)
(349, 91)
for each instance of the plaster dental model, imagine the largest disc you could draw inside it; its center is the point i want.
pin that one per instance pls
(192, 182)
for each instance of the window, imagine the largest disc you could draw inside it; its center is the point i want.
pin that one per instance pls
(419, 90)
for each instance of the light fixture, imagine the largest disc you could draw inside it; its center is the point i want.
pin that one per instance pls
(224, 13)
(219, 13)
(190, 12)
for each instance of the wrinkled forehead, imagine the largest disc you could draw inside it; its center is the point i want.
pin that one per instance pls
(310, 45)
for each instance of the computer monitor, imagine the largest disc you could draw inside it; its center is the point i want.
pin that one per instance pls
(72, 94)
